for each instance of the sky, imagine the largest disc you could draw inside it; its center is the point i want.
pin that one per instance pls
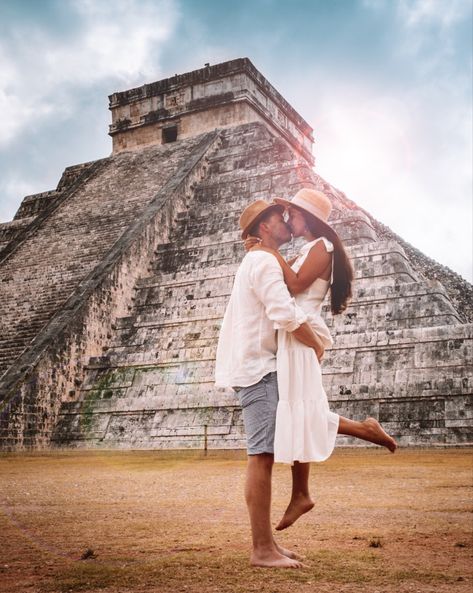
(386, 85)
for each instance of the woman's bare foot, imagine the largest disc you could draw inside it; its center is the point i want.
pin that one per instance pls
(298, 506)
(377, 434)
(273, 559)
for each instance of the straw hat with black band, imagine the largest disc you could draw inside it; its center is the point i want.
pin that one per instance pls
(313, 202)
(254, 212)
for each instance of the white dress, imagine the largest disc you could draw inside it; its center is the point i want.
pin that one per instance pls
(306, 428)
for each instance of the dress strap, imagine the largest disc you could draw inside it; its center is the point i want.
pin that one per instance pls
(328, 244)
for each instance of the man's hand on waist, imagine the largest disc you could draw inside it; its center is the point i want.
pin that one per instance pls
(305, 334)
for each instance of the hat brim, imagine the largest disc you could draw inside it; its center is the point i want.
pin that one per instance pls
(275, 207)
(287, 203)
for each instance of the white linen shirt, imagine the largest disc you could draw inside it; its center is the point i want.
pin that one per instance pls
(259, 305)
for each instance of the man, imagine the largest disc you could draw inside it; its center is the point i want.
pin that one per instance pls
(260, 304)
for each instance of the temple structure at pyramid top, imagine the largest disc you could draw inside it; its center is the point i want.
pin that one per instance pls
(113, 285)
(214, 97)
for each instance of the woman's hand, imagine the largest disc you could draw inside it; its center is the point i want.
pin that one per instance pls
(251, 242)
(254, 244)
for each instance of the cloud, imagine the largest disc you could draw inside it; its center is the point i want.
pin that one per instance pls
(430, 30)
(56, 70)
(42, 73)
(419, 13)
(120, 40)
(15, 109)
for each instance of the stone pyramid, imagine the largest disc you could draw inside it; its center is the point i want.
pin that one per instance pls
(113, 286)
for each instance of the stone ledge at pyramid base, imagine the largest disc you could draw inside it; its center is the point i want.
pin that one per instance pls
(410, 420)
(425, 422)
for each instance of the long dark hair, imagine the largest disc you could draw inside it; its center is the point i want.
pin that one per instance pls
(340, 291)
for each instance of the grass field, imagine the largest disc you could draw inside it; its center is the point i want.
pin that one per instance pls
(149, 521)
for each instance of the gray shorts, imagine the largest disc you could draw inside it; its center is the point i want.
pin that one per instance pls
(259, 403)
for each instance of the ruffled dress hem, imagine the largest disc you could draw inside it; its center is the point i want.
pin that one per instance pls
(312, 432)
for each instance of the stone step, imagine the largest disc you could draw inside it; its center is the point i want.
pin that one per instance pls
(11, 351)
(409, 420)
(157, 289)
(151, 322)
(236, 151)
(176, 279)
(375, 251)
(176, 267)
(159, 319)
(432, 405)
(367, 363)
(192, 340)
(371, 260)
(376, 352)
(175, 285)
(17, 337)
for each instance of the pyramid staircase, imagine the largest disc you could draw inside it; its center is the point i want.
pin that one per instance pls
(399, 352)
(71, 269)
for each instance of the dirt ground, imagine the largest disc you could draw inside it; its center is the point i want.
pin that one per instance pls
(149, 521)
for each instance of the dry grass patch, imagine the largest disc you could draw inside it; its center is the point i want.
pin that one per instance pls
(154, 521)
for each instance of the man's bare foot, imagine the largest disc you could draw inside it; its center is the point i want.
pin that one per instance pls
(285, 552)
(378, 435)
(297, 507)
(273, 559)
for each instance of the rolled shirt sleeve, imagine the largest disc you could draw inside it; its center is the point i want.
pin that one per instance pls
(268, 284)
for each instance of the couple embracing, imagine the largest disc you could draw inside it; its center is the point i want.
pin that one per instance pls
(271, 342)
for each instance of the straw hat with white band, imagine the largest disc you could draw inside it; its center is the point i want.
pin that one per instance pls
(312, 201)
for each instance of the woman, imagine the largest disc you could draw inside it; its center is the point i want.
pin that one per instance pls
(306, 428)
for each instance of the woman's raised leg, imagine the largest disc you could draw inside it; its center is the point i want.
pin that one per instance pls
(369, 430)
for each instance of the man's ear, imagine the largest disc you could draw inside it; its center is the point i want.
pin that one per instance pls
(263, 226)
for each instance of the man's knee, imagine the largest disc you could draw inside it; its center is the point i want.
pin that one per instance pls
(263, 460)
